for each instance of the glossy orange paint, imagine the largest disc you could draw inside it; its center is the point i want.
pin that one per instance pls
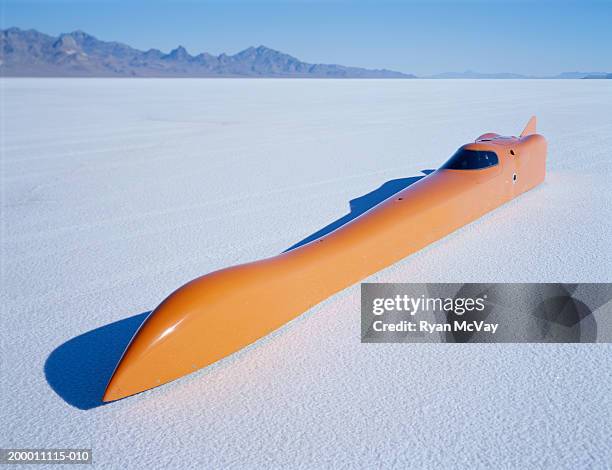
(224, 311)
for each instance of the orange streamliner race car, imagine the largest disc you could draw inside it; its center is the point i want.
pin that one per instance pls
(224, 311)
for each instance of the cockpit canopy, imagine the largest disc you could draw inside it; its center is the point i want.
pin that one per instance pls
(466, 159)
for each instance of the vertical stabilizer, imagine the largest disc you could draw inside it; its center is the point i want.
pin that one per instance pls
(530, 128)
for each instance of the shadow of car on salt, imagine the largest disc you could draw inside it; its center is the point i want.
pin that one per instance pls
(363, 204)
(79, 370)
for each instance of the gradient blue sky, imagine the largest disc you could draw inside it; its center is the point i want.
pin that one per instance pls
(422, 37)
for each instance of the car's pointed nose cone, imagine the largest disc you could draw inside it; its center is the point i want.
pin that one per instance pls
(200, 323)
(151, 359)
(120, 386)
(174, 341)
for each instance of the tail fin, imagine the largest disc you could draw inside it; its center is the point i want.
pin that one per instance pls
(530, 128)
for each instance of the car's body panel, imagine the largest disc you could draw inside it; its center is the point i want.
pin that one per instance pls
(221, 312)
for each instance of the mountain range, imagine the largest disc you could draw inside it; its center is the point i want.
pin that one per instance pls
(469, 74)
(29, 53)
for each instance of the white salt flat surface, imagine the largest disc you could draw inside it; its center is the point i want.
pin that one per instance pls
(115, 192)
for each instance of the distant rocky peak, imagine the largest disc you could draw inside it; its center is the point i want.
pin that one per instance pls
(67, 44)
(78, 34)
(254, 53)
(205, 58)
(259, 50)
(14, 30)
(263, 49)
(153, 53)
(180, 53)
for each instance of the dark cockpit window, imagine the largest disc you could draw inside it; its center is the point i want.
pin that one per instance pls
(465, 159)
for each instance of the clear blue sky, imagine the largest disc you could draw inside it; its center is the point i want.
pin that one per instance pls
(422, 37)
